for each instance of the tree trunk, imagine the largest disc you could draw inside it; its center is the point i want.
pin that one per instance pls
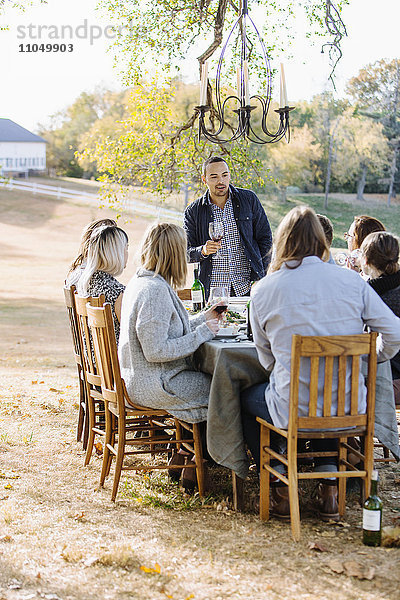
(283, 193)
(330, 161)
(391, 193)
(328, 172)
(361, 182)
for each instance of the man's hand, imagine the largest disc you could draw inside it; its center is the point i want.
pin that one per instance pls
(210, 247)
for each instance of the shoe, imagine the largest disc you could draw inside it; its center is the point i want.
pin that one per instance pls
(327, 501)
(280, 507)
(189, 478)
(176, 459)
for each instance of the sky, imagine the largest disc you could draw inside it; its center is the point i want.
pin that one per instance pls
(35, 86)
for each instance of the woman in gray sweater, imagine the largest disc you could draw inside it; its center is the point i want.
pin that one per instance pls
(157, 337)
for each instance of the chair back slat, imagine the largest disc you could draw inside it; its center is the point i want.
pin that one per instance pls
(328, 386)
(355, 374)
(101, 325)
(88, 350)
(71, 311)
(312, 408)
(341, 355)
(341, 393)
(331, 422)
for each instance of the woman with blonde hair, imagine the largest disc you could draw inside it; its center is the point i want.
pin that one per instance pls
(157, 336)
(303, 294)
(107, 255)
(79, 263)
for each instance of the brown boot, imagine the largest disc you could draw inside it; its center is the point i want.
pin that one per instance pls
(327, 501)
(280, 507)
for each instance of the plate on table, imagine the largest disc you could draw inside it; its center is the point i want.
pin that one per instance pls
(227, 332)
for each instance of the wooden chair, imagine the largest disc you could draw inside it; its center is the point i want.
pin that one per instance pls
(338, 352)
(82, 427)
(122, 420)
(95, 415)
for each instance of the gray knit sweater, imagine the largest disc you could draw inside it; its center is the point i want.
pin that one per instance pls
(156, 344)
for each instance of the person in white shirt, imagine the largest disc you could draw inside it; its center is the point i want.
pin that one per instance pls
(303, 294)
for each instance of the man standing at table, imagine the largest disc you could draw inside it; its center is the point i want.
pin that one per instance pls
(243, 254)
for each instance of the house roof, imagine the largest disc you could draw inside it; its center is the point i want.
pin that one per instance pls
(11, 132)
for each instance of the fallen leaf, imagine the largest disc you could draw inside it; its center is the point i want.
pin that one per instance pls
(6, 538)
(189, 597)
(157, 569)
(336, 566)
(99, 448)
(8, 486)
(361, 571)
(80, 517)
(54, 390)
(33, 382)
(317, 546)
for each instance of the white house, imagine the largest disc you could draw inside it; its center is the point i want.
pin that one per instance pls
(20, 150)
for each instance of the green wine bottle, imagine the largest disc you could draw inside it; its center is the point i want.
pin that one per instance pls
(372, 515)
(249, 330)
(197, 292)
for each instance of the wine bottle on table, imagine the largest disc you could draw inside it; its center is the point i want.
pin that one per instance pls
(372, 515)
(197, 292)
(249, 330)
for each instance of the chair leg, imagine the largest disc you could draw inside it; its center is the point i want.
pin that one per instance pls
(112, 442)
(264, 474)
(119, 459)
(198, 457)
(342, 480)
(237, 492)
(91, 424)
(107, 456)
(81, 415)
(293, 489)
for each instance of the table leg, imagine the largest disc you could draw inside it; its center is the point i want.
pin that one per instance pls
(237, 489)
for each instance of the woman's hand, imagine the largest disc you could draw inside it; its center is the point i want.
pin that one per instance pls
(212, 313)
(213, 325)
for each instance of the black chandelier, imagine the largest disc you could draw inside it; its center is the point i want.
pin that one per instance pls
(244, 127)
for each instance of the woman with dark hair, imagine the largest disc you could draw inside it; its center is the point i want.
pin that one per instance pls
(79, 263)
(380, 262)
(303, 294)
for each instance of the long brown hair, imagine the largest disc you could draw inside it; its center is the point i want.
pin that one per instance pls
(381, 251)
(299, 234)
(164, 252)
(85, 238)
(363, 226)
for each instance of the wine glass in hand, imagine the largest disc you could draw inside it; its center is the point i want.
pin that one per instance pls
(219, 295)
(216, 231)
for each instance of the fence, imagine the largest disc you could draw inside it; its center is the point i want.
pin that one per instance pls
(130, 205)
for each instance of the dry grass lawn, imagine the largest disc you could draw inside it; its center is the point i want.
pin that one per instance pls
(62, 538)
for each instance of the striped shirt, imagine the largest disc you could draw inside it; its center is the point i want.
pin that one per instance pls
(230, 266)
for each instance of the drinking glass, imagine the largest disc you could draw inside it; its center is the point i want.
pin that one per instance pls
(219, 294)
(216, 230)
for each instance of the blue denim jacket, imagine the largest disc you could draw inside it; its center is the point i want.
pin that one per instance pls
(253, 226)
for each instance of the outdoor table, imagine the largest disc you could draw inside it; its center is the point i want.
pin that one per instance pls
(234, 366)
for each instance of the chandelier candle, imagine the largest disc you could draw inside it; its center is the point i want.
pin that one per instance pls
(283, 101)
(203, 84)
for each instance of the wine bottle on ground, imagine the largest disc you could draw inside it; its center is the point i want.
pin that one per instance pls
(197, 292)
(372, 515)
